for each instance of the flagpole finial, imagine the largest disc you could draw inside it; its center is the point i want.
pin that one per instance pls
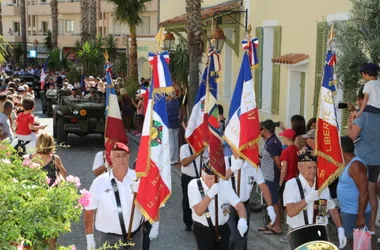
(106, 56)
(249, 30)
(331, 35)
(160, 37)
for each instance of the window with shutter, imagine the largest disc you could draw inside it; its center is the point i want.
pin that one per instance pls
(276, 74)
(320, 57)
(259, 69)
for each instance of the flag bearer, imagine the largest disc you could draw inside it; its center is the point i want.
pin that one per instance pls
(249, 175)
(109, 192)
(202, 193)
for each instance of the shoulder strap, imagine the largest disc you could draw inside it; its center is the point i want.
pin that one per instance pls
(119, 210)
(305, 217)
(207, 212)
(233, 179)
(194, 163)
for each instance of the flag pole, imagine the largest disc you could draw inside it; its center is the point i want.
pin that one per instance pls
(129, 236)
(216, 226)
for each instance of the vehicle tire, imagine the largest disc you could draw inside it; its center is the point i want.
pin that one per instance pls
(61, 133)
(49, 108)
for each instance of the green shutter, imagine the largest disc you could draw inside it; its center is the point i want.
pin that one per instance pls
(344, 122)
(302, 87)
(320, 57)
(259, 69)
(276, 73)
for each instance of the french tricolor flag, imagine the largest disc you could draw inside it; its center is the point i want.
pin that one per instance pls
(160, 70)
(328, 148)
(243, 127)
(43, 74)
(114, 130)
(197, 125)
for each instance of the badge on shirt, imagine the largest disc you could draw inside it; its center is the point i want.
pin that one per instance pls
(226, 208)
(321, 207)
(107, 190)
(251, 180)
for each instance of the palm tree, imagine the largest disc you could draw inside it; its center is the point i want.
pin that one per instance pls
(1, 21)
(194, 36)
(129, 12)
(85, 20)
(23, 32)
(54, 22)
(48, 41)
(92, 29)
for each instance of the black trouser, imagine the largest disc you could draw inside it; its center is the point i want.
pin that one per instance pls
(187, 219)
(236, 241)
(146, 231)
(205, 237)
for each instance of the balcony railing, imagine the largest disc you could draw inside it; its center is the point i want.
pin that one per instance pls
(10, 4)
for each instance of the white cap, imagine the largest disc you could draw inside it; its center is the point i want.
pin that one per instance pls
(21, 88)
(91, 77)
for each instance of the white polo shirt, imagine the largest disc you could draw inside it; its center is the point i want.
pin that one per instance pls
(249, 175)
(99, 160)
(190, 169)
(292, 195)
(103, 200)
(226, 198)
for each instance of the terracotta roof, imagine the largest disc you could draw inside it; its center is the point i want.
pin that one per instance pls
(291, 58)
(206, 12)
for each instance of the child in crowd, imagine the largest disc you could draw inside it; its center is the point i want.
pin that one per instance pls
(25, 121)
(371, 90)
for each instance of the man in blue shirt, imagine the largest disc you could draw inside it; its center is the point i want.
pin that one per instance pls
(366, 129)
(172, 107)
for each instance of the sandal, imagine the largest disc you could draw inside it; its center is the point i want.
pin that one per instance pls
(271, 232)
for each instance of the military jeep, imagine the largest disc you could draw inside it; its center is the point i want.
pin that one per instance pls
(80, 117)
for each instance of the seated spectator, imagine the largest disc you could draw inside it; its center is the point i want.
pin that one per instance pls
(74, 95)
(25, 121)
(6, 132)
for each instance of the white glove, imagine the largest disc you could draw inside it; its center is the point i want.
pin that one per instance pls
(214, 190)
(154, 231)
(342, 238)
(135, 186)
(242, 226)
(90, 242)
(237, 165)
(271, 214)
(312, 196)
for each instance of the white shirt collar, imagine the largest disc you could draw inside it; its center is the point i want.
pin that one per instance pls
(130, 174)
(304, 182)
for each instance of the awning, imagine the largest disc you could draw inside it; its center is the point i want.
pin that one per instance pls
(292, 58)
(206, 13)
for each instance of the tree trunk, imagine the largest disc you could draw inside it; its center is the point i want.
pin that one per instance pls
(23, 32)
(54, 22)
(92, 20)
(84, 21)
(194, 34)
(1, 21)
(132, 62)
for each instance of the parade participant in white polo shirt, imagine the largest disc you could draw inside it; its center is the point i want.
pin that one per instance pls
(249, 175)
(191, 168)
(202, 194)
(300, 203)
(109, 192)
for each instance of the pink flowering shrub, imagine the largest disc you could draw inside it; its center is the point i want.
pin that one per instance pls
(85, 198)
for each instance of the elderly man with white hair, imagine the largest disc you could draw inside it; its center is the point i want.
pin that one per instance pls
(173, 107)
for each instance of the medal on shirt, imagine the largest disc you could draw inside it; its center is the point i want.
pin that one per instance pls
(251, 179)
(226, 208)
(321, 207)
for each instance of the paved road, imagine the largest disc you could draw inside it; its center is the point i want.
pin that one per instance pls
(78, 159)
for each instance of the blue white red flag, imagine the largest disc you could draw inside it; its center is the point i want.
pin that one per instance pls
(82, 83)
(153, 159)
(243, 128)
(328, 148)
(114, 129)
(197, 125)
(214, 133)
(160, 71)
(251, 46)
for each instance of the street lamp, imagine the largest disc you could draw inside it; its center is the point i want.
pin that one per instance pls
(35, 44)
(217, 38)
(169, 41)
